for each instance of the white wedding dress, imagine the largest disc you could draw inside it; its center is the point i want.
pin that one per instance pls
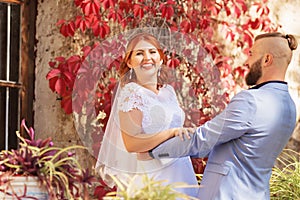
(160, 112)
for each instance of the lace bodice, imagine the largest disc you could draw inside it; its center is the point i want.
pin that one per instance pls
(160, 111)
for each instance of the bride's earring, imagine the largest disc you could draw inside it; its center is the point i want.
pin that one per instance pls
(130, 73)
(159, 68)
(158, 71)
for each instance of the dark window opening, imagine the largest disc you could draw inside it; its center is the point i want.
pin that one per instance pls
(9, 74)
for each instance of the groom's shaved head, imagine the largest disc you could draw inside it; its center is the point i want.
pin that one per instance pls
(278, 44)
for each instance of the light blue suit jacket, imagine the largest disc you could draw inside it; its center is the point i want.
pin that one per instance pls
(242, 143)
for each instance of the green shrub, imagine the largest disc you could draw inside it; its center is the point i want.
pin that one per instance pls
(285, 179)
(151, 190)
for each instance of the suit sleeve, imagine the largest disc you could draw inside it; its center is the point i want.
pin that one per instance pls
(233, 122)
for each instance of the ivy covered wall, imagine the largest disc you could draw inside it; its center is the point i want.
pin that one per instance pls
(50, 120)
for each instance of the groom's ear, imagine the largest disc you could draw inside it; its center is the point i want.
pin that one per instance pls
(267, 59)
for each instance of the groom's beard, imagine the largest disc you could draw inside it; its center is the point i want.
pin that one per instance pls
(255, 73)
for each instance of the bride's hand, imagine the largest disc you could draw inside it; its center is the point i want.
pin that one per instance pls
(184, 133)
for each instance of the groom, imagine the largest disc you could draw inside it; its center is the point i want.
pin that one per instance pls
(243, 142)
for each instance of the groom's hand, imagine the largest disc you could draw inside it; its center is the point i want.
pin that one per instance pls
(144, 156)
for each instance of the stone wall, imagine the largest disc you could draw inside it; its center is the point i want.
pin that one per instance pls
(49, 119)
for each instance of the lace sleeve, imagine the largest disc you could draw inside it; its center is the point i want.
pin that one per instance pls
(130, 98)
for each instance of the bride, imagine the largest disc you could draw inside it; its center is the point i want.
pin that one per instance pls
(144, 114)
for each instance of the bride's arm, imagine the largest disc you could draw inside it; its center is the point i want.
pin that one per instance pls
(135, 140)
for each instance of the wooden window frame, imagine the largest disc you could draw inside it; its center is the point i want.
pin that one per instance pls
(28, 55)
(12, 1)
(25, 84)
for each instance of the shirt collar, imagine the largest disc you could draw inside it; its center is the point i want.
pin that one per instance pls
(264, 83)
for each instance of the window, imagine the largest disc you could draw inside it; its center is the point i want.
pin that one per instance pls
(16, 78)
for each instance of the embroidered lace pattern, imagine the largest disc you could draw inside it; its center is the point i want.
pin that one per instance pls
(160, 111)
(130, 98)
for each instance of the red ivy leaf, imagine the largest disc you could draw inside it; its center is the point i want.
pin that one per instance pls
(60, 86)
(255, 24)
(66, 104)
(262, 9)
(227, 9)
(53, 73)
(237, 11)
(68, 78)
(138, 10)
(126, 6)
(67, 28)
(174, 27)
(60, 78)
(241, 71)
(52, 82)
(185, 26)
(60, 59)
(267, 25)
(230, 35)
(248, 38)
(213, 8)
(267, 10)
(167, 9)
(60, 22)
(124, 23)
(204, 23)
(116, 15)
(112, 83)
(108, 3)
(90, 7)
(78, 3)
(74, 63)
(82, 23)
(243, 5)
(101, 29)
(173, 62)
(52, 64)
(212, 49)
(86, 50)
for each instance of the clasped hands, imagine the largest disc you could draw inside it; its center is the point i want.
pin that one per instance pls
(183, 133)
